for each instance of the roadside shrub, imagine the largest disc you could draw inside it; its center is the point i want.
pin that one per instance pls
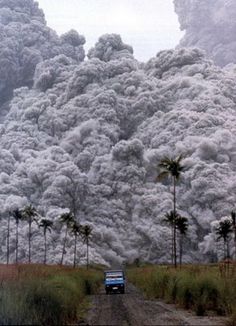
(232, 320)
(200, 288)
(187, 291)
(46, 306)
(13, 309)
(172, 289)
(92, 281)
(207, 295)
(54, 299)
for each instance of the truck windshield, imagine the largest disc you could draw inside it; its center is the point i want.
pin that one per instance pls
(114, 276)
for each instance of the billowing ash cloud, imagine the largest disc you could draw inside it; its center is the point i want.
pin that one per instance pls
(110, 47)
(25, 40)
(210, 25)
(88, 136)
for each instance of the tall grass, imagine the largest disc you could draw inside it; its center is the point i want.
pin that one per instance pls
(199, 288)
(46, 295)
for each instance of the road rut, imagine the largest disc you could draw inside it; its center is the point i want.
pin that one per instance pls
(133, 309)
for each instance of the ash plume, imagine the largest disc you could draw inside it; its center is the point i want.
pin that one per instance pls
(25, 41)
(209, 25)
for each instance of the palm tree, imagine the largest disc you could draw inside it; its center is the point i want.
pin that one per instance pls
(47, 226)
(233, 217)
(75, 230)
(29, 214)
(170, 218)
(182, 227)
(68, 220)
(16, 213)
(223, 231)
(86, 234)
(172, 167)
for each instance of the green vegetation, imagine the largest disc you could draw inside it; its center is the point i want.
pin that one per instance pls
(45, 295)
(201, 288)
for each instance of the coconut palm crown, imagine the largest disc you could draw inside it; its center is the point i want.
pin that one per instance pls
(223, 231)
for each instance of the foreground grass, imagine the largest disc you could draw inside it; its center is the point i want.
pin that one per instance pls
(45, 295)
(200, 288)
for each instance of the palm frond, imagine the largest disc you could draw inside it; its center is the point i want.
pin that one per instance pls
(30, 214)
(233, 217)
(76, 228)
(182, 224)
(162, 175)
(17, 214)
(67, 218)
(165, 162)
(44, 223)
(86, 231)
(179, 158)
(224, 229)
(170, 217)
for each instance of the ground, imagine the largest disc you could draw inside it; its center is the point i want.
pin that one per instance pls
(132, 308)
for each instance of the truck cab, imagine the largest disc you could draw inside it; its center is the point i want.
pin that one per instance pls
(114, 281)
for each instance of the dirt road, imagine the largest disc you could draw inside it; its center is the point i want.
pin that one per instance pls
(132, 309)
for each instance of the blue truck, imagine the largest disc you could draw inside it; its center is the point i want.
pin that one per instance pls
(114, 281)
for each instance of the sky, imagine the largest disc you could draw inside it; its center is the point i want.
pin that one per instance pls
(149, 26)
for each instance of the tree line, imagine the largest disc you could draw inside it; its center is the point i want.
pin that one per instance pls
(169, 167)
(172, 167)
(30, 215)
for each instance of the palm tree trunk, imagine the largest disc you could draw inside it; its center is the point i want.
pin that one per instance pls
(87, 241)
(45, 248)
(225, 249)
(174, 235)
(235, 242)
(29, 240)
(8, 239)
(75, 250)
(174, 194)
(180, 249)
(234, 232)
(235, 247)
(172, 244)
(64, 246)
(227, 254)
(17, 235)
